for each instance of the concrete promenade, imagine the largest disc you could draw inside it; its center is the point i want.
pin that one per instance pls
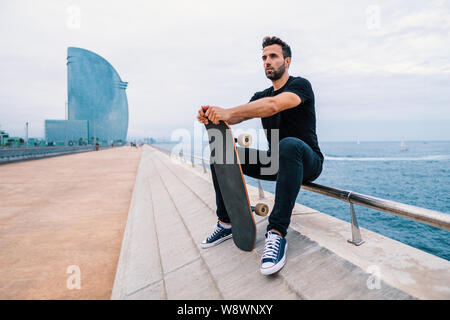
(172, 210)
(64, 211)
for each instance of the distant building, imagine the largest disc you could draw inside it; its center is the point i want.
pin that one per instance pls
(96, 95)
(3, 137)
(14, 142)
(66, 132)
(7, 141)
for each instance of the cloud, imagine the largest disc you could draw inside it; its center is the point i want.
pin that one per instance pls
(177, 55)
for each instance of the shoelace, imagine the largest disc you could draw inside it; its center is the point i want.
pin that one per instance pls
(215, 232)
(271, 247)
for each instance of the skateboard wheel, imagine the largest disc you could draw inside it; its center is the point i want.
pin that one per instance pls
(245, 140)
(262, 209)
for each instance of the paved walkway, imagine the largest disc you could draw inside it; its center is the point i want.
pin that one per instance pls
(60, 212)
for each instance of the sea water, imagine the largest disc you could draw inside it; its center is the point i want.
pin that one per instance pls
(418, 176)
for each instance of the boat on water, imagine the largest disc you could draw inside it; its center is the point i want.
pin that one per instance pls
(403, 146)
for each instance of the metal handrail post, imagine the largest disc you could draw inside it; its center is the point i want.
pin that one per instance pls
(356, 233)
(203, 165)
(260, 190)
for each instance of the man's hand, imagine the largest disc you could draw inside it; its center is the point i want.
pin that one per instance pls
(215, 114)
(201, 117)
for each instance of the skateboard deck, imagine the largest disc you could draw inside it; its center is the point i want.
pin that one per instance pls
(231, 181)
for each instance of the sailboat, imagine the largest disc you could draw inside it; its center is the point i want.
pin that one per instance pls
(403, 146)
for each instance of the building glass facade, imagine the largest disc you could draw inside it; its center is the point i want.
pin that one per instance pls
(96, 94)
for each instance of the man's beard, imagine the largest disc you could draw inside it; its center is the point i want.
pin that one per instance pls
(276, 74)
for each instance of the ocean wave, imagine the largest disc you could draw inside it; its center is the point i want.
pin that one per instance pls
(441, 157)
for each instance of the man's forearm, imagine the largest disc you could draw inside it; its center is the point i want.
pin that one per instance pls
(260, 108)
(236, 120)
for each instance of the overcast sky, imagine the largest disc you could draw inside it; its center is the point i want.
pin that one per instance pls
(380, 70)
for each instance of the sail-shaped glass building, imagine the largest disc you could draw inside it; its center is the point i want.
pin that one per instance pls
(96, 94)
(97, 108)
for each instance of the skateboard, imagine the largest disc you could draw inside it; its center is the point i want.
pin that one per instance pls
(232, 186)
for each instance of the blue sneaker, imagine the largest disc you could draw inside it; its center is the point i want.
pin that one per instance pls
(274, 255)
(219, 234)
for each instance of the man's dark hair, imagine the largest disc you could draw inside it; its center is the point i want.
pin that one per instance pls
(268, 41)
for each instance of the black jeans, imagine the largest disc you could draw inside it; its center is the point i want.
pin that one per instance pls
(297, 163)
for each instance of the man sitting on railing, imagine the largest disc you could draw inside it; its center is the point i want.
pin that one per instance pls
(287, 109)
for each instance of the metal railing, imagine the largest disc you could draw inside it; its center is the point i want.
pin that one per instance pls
(422, 215)
(8, 155)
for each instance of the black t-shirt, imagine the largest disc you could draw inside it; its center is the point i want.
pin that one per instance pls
(298, 122)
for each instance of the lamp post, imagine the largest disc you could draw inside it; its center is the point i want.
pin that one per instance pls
(26, 134)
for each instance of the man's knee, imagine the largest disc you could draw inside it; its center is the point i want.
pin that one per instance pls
(292, 147)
